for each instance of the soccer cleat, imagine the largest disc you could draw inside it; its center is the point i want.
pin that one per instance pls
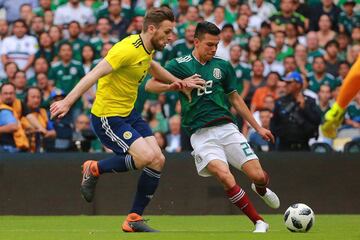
(261, 227)
(270, 198)
(135, 223)
(89, 180)
(333, 119)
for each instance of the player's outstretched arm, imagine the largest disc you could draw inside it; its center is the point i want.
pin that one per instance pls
(156, 86)
(161, 74)
(238, 103)
(60, 108)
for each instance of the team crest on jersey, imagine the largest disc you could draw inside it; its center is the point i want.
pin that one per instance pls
(73, 70)
(127, 135)
(217, 73)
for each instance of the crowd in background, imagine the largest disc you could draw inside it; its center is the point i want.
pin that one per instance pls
(47, 46)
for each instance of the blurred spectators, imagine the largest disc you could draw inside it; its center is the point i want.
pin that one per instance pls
(74, 10)
(63, 126)
(296, 117)
(12, 135)
(12, 8)
(173, 138)
(255, 139)
(226, 41)
(325, 7)
(161, 140)
(319, 76)
(325, 34)
(270, 62)
(20, 84)
(20, 48)
(36, 123)
(269, 89)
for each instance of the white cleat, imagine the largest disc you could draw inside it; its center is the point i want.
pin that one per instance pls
(261, 227)
(270, 198)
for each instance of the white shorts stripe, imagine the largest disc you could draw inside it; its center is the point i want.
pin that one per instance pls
(105, 125)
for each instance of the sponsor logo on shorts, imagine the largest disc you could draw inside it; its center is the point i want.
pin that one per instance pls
(127, 135)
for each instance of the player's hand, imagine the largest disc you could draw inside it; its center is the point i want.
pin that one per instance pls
(59, 109)
(194, 81)
(266, 135)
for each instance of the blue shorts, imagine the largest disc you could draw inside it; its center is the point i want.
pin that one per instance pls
(118, 133)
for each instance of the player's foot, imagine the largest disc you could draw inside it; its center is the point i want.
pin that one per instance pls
(270, 198)
(333, 119)
(261, 227)
(90, 177)
(135, 223)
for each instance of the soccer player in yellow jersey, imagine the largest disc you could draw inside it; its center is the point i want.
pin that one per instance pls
(114, 120)
(350, 87)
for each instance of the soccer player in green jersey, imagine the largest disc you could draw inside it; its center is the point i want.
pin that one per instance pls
(206, 115)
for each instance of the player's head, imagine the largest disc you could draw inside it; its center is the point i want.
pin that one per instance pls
(159, 23)
(206, 40)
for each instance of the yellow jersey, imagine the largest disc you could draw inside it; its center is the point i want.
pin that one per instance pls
(117, 92)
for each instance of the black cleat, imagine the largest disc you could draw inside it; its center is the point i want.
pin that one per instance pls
(90, 178)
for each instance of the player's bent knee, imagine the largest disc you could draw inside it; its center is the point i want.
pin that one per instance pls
(259, 178)
(146, 158)
(158, 161)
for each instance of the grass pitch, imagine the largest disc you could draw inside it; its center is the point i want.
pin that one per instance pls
(344, 227)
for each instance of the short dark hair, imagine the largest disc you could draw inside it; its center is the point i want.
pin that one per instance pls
(106, 18)
(332, 42)
(156, 16)
(319, 57)
(206, 27)
(26, 97)
(7, 84)
(22, 21)
(228, 25)
(74, 22)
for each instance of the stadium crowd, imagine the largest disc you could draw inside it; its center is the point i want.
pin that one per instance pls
(47, 46)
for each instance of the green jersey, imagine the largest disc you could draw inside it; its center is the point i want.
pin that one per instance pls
(327, 79)
(316, 53)
(243, 73)
(179, 48)
(210, 106)
(353, 111)
(349, 22)
(296, 18)
(77, 46)
(97, 43)
(285, 52)
(242, 39)
(66, 76)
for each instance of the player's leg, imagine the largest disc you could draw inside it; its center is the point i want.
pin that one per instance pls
(241, 156)
(348, 90)
(148, 181)
(210, 160)
(120, 137)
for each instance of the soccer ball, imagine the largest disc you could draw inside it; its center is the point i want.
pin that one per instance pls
(299, 218)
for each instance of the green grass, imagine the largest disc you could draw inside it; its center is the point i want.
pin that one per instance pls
(342, 227)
